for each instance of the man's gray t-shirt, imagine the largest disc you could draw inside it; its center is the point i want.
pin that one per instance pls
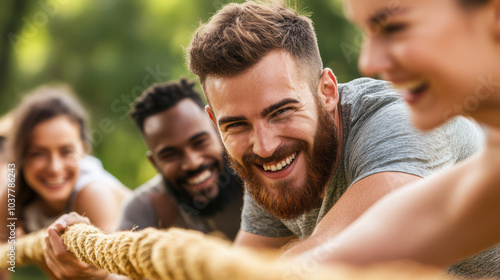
(378, 136)
(139, 211)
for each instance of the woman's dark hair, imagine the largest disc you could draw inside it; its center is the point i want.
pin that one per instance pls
(5, 129)
(2, 146)
(43, 104)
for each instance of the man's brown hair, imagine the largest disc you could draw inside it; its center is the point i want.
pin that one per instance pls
(239, 35)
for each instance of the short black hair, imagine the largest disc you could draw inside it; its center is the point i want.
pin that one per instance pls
(160, 97)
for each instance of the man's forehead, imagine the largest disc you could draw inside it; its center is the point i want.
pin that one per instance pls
(253, 105)
(163, 132)
(183, 113)
(274, 78)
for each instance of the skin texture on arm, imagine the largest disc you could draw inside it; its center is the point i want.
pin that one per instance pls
(102, 205)
(353, 203)
(436, 221)
(251, 240)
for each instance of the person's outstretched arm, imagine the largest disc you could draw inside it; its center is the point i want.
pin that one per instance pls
(436, 221)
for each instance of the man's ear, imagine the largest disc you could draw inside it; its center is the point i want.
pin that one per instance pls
(211, 115)
(151, 159)
(328, 89)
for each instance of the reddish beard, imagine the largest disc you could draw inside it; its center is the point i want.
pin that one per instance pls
(287, 200)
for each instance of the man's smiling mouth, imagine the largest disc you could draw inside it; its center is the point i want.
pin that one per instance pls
(279, 166)
(200, 178)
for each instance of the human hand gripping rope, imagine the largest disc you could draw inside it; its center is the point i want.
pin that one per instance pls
(188, 254)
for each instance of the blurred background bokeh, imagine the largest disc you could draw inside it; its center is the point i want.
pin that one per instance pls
(109, 51)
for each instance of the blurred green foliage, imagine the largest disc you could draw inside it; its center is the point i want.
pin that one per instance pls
(108, 51)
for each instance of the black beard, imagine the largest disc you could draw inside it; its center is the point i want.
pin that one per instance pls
(228, 189)
(289, 203)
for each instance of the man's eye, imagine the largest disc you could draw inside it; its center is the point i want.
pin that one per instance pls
(282, 111)
(234, 125)
(168, 156)
(200, 142)
(393, 28)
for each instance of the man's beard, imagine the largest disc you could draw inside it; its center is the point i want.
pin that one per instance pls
(227, 190)
(288, 202)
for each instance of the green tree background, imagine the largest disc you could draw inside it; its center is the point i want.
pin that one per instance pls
(108, 51)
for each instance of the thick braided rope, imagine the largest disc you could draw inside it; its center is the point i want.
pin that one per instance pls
(28, 250)
(186, 254)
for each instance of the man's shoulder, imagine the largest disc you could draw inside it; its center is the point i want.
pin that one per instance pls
(150, 206)
(155, 184)
(364, 97)
(142, 194)
(357, 89)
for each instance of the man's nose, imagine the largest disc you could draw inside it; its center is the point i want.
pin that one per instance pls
(264, 141)
(192, 160)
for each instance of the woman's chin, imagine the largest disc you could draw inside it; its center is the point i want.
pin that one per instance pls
(428, 121)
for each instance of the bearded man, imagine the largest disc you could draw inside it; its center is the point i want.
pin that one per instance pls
(313, 154)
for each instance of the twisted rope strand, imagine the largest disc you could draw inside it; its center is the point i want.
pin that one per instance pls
(189, 255)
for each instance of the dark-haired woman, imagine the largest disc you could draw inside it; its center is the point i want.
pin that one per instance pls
(54, 173)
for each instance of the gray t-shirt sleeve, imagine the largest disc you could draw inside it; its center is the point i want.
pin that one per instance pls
(256, 220)
(388, 142)
(138, 213)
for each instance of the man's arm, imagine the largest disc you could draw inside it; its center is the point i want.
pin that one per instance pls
(248, 239)
(353, 203)
(435, 221)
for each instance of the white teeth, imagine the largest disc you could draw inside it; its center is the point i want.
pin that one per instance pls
(280, 165)
(200, 178)
(410, 85)
(55, 181)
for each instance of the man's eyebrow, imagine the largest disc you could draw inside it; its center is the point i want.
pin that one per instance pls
(383, 15)
(191, 139)
(222, 121)
(197, 135)
(277, 105)
(263, 114)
